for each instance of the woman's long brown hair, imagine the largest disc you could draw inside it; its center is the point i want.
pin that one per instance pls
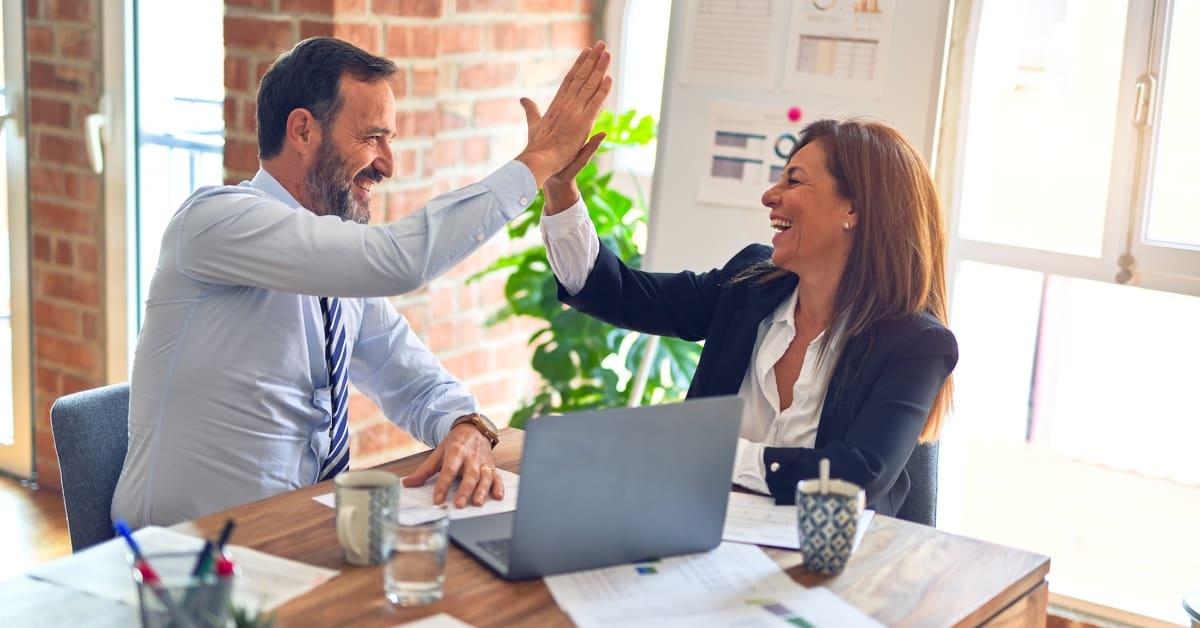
(897, 266)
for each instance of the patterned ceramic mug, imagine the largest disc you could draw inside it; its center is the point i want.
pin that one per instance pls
(362, 498)
(828, 522)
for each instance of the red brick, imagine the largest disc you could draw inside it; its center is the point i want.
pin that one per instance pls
(39, 40)
(77, 43)
(498, 112)
(406, 163)
(379, 440)
(230, 106)
(546, 6)
(33, 9)
(64, 255)
(41, 247)
(47, 379)
(241, 155)
(487, 75)
(66, 353)
(345, 8)
(399, 84)
(405, 41)
(260, 34)
(315, 28)
(514, 354)
(61, 149)
(47, 112)
(91, 325)
(467, 365)
(249, 4)
(71, 11)
(453, 116)
(47, 315)
(250, 121)
(459, 38)
(69, 287)
(405, 201)
(61, 78)
(88, 255)
(414, 124)
(517, 36)
(443, 301)
(476, 150)
(425, 81)
(237, 74)
(363, 35)
(320, 7)
(445, 153)
(485, 6)
(409, 8)
(52, 217)
(572, 35)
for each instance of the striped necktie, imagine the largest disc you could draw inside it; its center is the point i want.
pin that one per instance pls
(335, 358)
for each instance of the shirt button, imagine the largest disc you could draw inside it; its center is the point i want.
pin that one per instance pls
(774, 467)
(524, 201)
(479, 237)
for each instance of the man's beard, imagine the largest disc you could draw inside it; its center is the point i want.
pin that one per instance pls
(329, 194)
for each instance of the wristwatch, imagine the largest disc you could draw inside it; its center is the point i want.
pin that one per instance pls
(482, 423)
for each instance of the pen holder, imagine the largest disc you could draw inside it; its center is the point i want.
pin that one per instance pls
(177, 599)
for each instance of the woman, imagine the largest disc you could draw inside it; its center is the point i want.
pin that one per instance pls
(835, 336)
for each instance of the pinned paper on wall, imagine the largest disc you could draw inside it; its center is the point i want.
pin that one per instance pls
(748, 147)
(728, 43)
(839, 47)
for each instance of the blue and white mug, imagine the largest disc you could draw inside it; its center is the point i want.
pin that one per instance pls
(827, 522)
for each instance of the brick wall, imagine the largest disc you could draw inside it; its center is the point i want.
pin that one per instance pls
(65, 211)
(464, 65)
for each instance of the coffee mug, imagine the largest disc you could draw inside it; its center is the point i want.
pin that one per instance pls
(828, 521)
(362, 498)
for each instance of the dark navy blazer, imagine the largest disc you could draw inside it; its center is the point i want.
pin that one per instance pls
(879, 394)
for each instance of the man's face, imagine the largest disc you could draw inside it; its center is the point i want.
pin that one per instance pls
(355, 152)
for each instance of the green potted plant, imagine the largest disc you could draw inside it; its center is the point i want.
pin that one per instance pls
(584, 363)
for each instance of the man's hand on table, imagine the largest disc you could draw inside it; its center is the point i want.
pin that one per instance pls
(467, 453)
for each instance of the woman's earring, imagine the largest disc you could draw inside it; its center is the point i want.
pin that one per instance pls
(846, 225)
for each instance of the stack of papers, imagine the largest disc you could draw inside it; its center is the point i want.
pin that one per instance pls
(756, 519)
(264, 582)
(733, 585)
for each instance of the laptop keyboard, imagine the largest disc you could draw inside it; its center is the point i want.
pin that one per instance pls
(498, 548)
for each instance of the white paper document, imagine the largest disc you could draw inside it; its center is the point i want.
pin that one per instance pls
(263, 581)
(733, 585)
(441, 620)
(423, 496)
(756, 519)
(727, 43)
(839, 47)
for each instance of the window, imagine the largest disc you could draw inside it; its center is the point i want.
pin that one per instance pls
(639, 37)
(1076, 274)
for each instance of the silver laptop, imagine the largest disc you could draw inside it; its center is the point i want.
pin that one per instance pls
(607, 487)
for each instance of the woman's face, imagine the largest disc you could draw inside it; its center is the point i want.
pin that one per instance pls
(809, 215)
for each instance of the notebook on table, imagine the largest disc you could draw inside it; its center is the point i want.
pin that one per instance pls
(605, 487)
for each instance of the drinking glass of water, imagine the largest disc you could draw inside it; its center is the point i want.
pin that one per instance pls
(415, 540)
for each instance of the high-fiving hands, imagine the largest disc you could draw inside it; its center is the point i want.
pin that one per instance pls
(558, 138)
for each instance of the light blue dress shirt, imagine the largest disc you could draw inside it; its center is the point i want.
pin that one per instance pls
(230, 398)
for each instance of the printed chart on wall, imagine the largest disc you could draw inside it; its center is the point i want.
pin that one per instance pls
(839, 47)
(748, 148)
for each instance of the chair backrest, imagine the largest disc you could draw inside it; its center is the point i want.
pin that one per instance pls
(91, 435)
(921, 504)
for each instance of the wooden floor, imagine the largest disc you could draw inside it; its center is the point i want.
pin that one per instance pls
(33, 527)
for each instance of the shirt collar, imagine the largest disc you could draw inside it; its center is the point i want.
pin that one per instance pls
(264, 181)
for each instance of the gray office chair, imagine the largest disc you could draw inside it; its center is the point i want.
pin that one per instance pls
(91, 435)
(921, 504)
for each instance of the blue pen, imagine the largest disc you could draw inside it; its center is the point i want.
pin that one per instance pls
(150, 579)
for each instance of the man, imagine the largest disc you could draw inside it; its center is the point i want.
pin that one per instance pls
(269, 295)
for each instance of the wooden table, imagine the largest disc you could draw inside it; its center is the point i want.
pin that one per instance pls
(903, 574)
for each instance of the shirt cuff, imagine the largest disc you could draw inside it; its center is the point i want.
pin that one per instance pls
(514, 185)
(748, 468)
(571, 245)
